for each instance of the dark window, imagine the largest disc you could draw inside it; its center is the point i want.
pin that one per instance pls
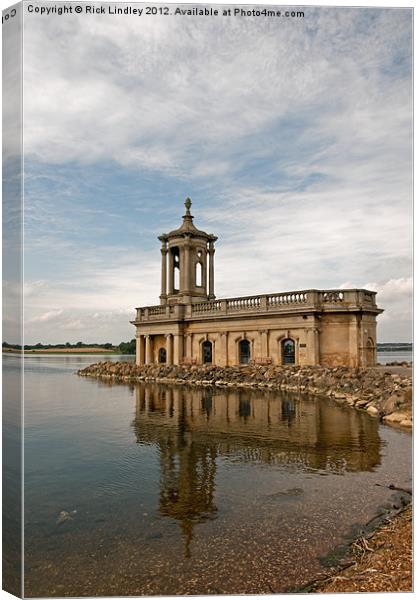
(244, 352)
(288, 352)
(207, 352)
(162, 355)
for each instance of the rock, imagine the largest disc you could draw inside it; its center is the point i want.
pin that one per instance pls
(361, 403)
(65, 516)
(373, 411)
(397, 417)
(391, 404)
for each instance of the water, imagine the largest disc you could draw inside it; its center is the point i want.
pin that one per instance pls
(184, 490)
(399, 356)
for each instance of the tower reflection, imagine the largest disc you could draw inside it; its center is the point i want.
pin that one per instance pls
(191, 427)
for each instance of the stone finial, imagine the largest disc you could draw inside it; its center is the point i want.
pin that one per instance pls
(188, 204)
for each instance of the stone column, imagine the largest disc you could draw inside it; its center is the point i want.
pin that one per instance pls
(139, 350)
(163, 273)
(189, 345)
(148, 355)
(171, 273)
(223, 358)
(264, 343)
(363, 339)
(169, 349)
(205, 283)
(177, 348)
(187, 281)
(313, 346)
(355, 341)
(211, 271)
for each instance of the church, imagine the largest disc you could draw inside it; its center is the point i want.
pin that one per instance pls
(190, 326)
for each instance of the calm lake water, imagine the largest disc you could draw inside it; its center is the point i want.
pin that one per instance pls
(177, 490)
(386, 357)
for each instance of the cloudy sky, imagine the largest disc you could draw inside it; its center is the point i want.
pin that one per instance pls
(292, 137)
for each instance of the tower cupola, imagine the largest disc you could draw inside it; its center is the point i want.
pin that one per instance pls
(187, 263)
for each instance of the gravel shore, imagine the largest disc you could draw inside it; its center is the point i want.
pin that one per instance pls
(382, 562)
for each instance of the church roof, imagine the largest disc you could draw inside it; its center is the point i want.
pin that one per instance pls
(188, 227)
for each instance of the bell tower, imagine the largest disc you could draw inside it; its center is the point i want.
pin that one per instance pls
(187, 272)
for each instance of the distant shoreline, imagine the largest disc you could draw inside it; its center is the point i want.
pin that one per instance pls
(381, 349)
(63, 351)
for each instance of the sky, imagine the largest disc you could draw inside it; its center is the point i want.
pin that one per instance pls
(292, 137)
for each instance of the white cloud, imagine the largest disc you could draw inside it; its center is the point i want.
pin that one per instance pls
(303, 133)
(51, 315)
(172, 94)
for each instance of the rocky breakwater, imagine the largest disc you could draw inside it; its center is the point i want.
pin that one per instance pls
(381, 393)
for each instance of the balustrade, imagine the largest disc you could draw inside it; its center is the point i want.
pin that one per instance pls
(157, 310)
(247, 303)
(203, 307)
(332, 296)
(265, 302)
(368, 297)
(287, 298)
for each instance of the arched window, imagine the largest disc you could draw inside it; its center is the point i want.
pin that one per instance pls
(288, 352)
(162, 355)
(176, 268)
(244, 352)
(198, 274)
(207, 352)
(176, 280)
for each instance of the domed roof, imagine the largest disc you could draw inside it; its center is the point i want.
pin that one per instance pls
(188, 227)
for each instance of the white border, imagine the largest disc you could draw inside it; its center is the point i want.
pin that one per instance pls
(339, 4)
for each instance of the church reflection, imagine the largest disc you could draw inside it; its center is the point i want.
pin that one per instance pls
(192, 427)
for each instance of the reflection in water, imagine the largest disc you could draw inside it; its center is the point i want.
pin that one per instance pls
(192, 427)
(191, 491)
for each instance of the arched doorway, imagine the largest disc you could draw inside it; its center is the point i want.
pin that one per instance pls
(288, 352)
(370, 353)
(207, 352)
(244, 352)
(162, 355)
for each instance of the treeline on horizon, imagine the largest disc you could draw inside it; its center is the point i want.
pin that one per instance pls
(122, 348)
(129, 347)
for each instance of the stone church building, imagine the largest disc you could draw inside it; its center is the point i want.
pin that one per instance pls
(191, 326)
